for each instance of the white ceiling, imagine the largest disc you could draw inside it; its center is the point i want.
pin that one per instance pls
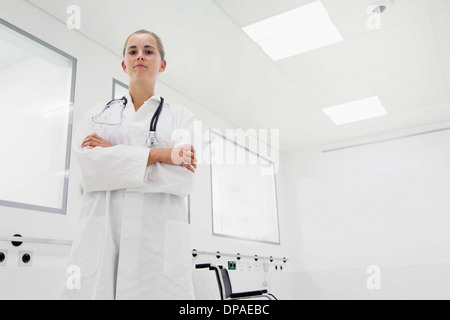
(406, 63)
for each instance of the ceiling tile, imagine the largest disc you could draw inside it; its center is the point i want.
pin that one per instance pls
(408, 9)
(447, 86)
(420, 116)
(418, 96)
(406, 73)
(339, 91)
(444, 56)
(392, 44)
(438, 5)
(319, 65)
(441, 21)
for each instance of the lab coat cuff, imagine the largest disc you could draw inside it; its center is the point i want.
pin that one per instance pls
(149, 169)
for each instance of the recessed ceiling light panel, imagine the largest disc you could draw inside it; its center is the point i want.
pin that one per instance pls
(293, 32)
(355, 111)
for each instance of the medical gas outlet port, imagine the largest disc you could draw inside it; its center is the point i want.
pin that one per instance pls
(25, 258)
(3, 257)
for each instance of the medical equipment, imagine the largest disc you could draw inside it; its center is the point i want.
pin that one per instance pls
(107, 113)
(152, 140)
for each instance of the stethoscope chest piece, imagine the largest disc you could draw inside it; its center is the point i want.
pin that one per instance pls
(152, 140)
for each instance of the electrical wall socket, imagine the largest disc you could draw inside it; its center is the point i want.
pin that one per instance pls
(231, 265)
(3, 258)
(25, 258)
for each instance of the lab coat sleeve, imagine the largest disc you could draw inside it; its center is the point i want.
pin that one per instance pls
(116, 167)
(175, 179)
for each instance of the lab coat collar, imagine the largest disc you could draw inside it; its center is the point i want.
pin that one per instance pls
(154, 97)
(129, 109)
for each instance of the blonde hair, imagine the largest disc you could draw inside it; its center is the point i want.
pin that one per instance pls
(159, 43)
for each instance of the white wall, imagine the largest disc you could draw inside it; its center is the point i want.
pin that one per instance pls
(383, 204)
(96, 68)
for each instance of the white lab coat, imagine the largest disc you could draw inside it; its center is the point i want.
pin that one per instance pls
(133, 239)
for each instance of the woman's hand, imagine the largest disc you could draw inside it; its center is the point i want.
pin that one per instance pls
(183, 156)
(94, 140)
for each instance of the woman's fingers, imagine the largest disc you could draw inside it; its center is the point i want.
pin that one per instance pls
(189, 167)
(94, 140)
(186, 157)
(189, 157)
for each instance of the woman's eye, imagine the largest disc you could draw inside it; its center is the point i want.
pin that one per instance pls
(133, 52)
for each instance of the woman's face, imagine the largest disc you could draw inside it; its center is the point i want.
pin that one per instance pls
(142, 59)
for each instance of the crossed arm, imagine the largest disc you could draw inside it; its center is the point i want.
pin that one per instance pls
(182, 155)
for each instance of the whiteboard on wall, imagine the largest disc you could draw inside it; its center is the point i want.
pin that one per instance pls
(243, 193)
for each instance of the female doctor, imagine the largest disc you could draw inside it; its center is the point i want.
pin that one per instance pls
(133, 241)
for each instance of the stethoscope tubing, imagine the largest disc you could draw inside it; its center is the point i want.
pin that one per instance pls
(152, 140)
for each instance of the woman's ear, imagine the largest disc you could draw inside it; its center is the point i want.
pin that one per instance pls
(124, 66)
(163, 66)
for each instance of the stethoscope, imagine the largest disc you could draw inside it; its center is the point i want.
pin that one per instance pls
(152, 140)
(96, 118)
